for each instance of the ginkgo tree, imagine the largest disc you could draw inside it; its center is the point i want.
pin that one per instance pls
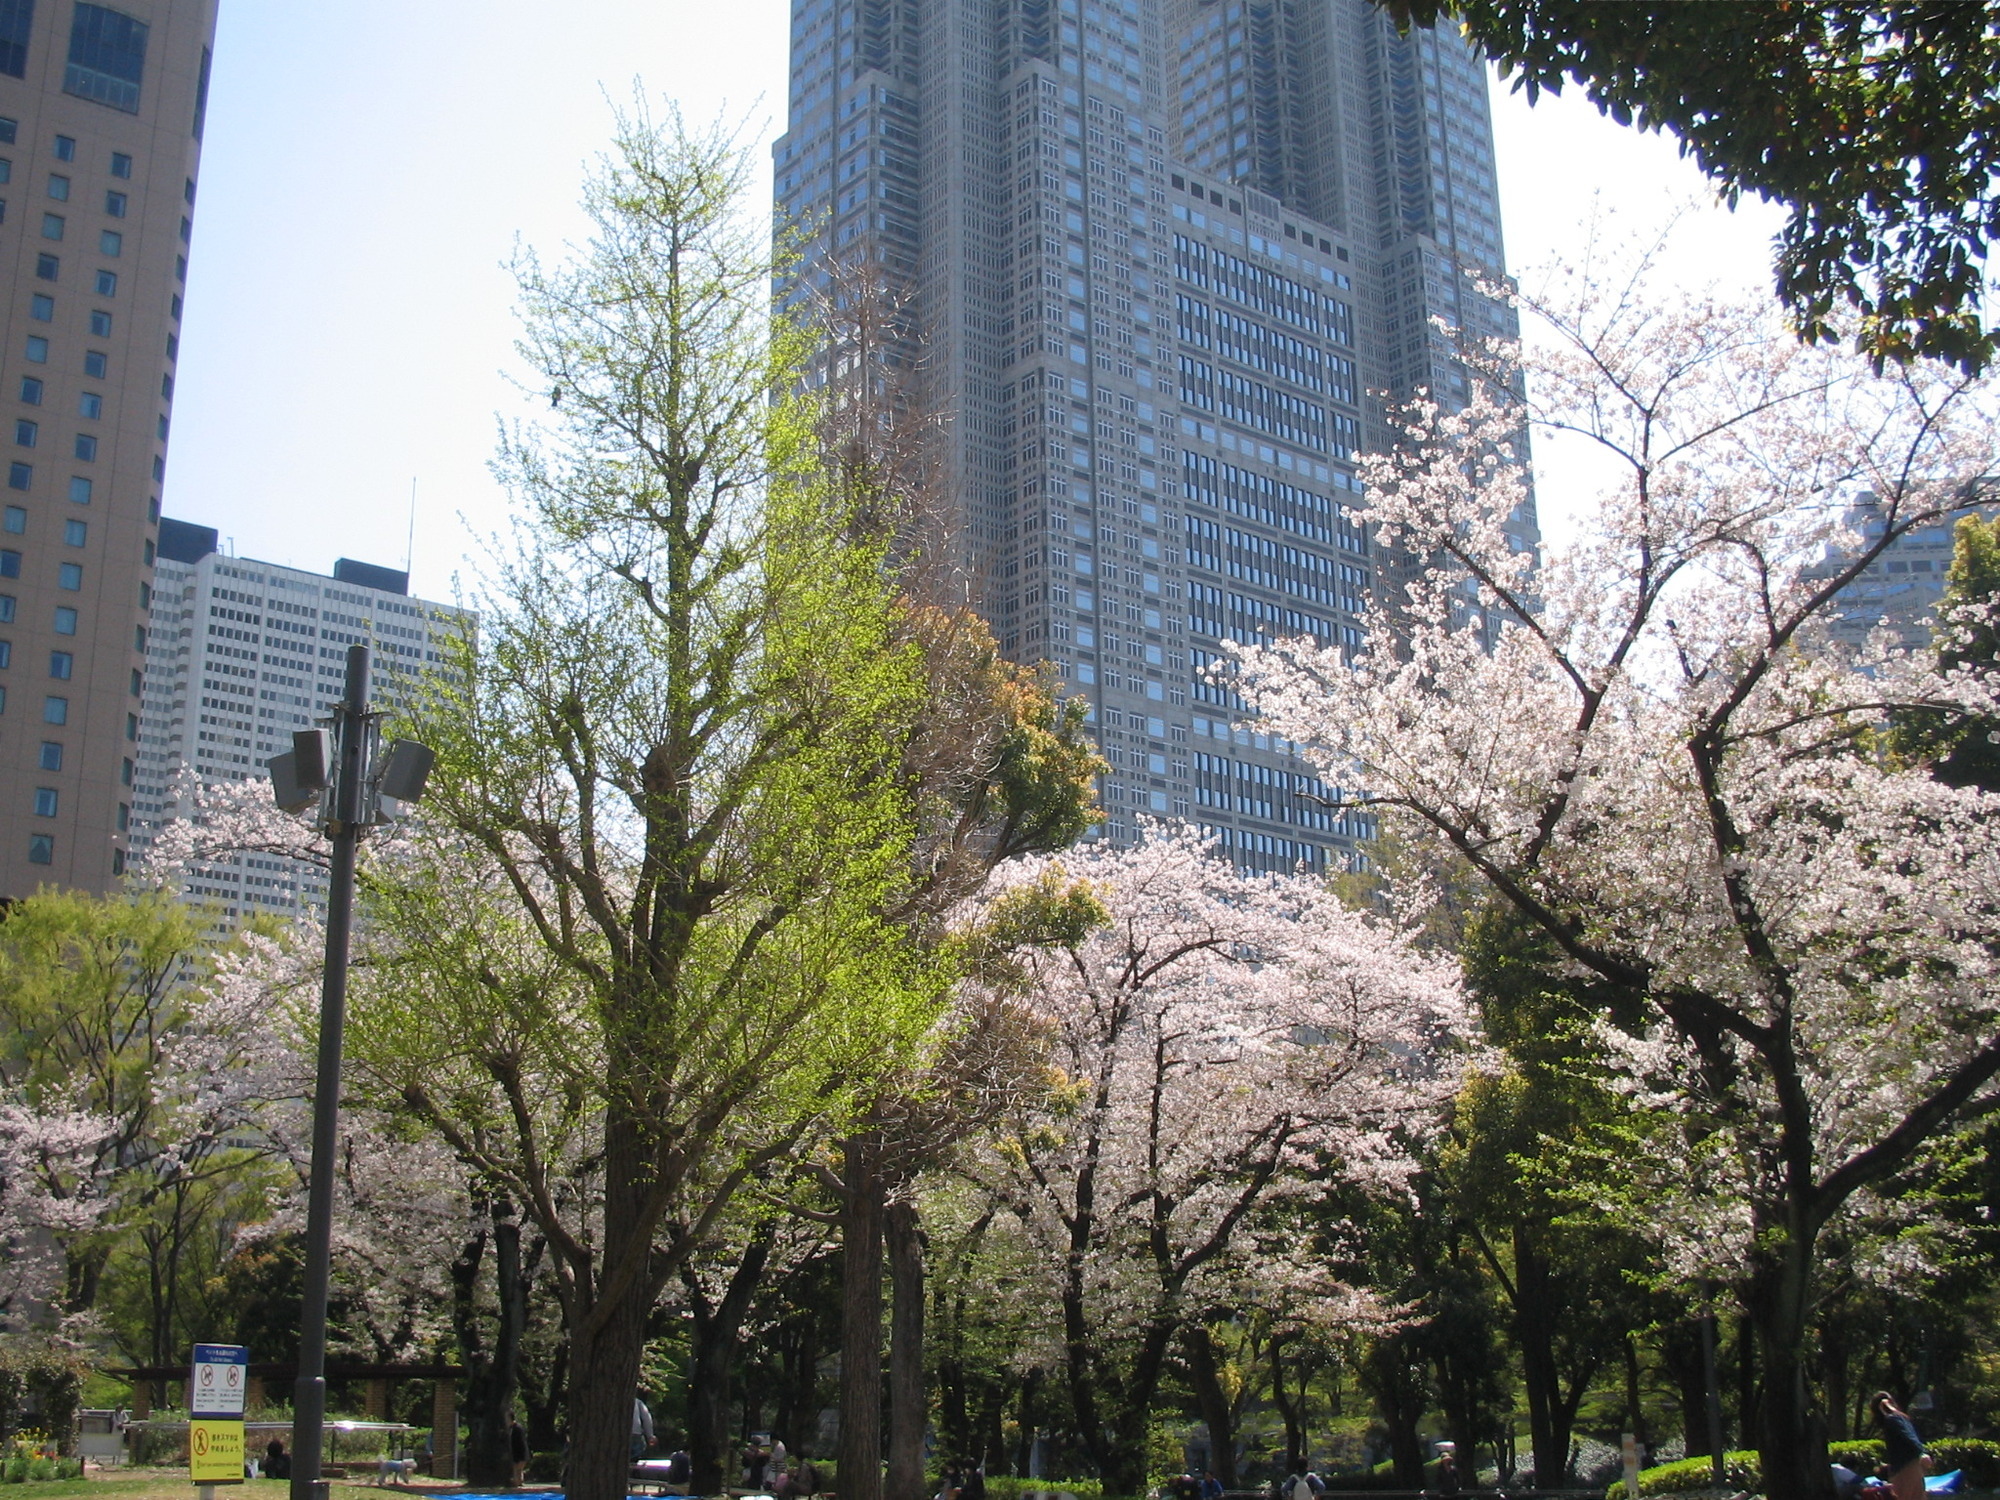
(1222, 1043)
(1648, 745)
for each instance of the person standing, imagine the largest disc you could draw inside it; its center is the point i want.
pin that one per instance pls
(1905, 1449)
(517, 1448)
(642, 1428)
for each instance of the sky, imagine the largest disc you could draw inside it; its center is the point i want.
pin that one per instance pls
(369, 169)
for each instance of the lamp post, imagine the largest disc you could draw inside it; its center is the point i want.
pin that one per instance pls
(344, 773)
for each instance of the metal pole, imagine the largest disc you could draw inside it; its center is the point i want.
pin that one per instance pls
(349, 785)
(1717, 1464)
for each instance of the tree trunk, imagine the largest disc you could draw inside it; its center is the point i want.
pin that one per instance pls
(1293, 1411)
(608, 1333)
(1206, 1376)
(1395, 1379)
(712, 1360)
(1534, 1332)
(1635, 1408)
(1792, 1435)
(907, 1407)
(492, 1373)
(1680, 1352)
(860, 1460)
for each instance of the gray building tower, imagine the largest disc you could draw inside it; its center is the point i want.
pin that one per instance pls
(101, 115)
(1164, 258)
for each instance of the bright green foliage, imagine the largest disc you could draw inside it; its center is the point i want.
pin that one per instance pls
(1960, 748)
(660, 939)
(1877, 126)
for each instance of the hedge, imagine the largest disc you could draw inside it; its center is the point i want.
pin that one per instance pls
(1007, 1487)
(1979, 1458)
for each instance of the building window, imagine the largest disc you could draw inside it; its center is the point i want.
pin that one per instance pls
(62, 666)
(17, 20)
(45, 801)
(6, 609)
(47, 267)
(6, 165)
(10, 563)
(6, 653)
(110, 242)
(51, 755)
(107, 283)
(42, 307)
(55, 710)
(58, 187)
(15, 520)
(9, 129)
(124, 819)
(95, 364)
(79, 489)
(70, 576)
(138, 682)
(20, 476)
(76, 533)
(86, 447)
(100, 323)
(107, 57)
(65, 620)
(31, 391)
(52, 226)
(25, 432)
(114, 205)
(41, 849)
(90, 406)
(65, 148)
(38, 350)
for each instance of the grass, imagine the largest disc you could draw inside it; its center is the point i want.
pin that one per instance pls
(164, 1484)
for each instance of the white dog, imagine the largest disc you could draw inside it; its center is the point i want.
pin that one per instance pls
(397, 1470)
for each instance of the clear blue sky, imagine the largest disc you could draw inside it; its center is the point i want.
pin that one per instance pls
(369, 167)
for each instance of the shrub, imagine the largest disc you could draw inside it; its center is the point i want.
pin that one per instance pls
(1006, 1487)
(545, 1468)
(1742, 1469)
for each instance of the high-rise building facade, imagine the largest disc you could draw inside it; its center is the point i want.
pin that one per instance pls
(1166, 259)
(239, 654)
(101, 115)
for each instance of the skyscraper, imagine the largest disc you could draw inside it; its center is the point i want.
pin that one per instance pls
(1165, 259)
(239, 654)
(101, 114)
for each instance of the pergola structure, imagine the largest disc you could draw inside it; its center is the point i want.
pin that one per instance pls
(262, 1376)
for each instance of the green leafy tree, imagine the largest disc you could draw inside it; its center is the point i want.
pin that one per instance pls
(1876, 126)
(1960, 746)
(657, 943)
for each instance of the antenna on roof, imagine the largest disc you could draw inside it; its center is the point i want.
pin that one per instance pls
(410, 546)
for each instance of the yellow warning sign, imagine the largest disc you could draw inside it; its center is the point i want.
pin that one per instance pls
(215, 1451)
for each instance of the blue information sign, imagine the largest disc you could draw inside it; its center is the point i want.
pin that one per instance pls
(217, 1384)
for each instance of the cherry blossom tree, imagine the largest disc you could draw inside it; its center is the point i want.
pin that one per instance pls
(1222, 1042)
(1648, 745)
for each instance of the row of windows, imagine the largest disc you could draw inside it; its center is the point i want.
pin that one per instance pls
(14, 519)
(63, 147)
(21, 476)
(27, 434)
(69, 576)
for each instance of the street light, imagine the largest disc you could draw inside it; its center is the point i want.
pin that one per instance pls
(355, 787)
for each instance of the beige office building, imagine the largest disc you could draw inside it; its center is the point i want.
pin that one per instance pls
(101, 113)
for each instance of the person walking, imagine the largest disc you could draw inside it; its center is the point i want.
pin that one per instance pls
(1906, 1453)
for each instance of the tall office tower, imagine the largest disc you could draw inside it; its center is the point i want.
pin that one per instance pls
(101, 112)
(241, 653)
(1162, 258)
